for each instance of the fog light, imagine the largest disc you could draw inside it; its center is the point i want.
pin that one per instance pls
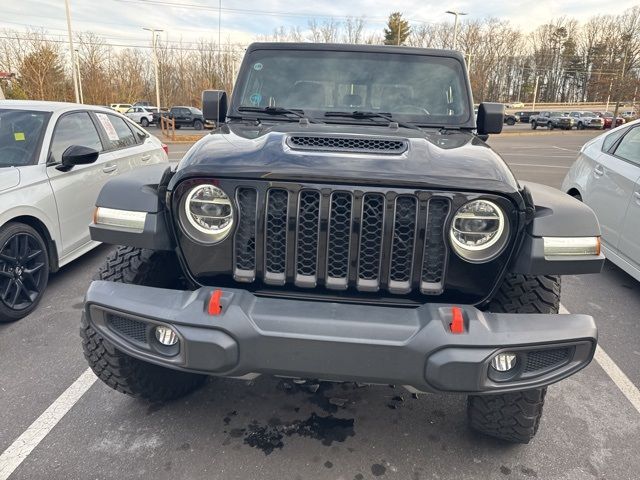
(166, 335)
(503, 362)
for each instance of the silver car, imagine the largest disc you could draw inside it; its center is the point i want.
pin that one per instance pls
(54, 159)
(606, 176)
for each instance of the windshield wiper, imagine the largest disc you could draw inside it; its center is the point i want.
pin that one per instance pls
(360, 114)
(279, 111)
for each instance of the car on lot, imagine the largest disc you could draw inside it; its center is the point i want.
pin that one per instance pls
(516, 105)
(120, 107)
(587, 120)
(607, 117)
(525, 116)
(510, 118)
(552, 120)
(183, 117)
(606, 176)
(54, 158)
(314, 238)
(141, 115)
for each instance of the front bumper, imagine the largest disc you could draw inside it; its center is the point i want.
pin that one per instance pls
(332, 341)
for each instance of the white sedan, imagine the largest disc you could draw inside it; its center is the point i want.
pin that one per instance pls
(141, 115)
(54, 159)
(606, 176)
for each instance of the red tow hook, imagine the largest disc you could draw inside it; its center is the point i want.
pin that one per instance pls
(214, 307)
(457, 320)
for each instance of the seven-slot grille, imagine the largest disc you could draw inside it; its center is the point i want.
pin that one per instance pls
(341, 237)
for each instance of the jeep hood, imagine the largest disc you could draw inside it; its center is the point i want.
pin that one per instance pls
(434, 159)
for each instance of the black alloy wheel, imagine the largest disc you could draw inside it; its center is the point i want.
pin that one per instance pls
(24, 271)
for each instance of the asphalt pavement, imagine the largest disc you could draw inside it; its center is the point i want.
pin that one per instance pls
(273, 429)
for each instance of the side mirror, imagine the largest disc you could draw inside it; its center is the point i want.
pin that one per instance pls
(214, 105)
(490, 118)
(77, 155)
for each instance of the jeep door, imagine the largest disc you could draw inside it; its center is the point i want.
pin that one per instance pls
(612, 179)
(75, 191)
(629, 150)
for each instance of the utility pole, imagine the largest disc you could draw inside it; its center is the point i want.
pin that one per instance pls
(79, 77)
(72, 52)
(455, 28)
(535, 94)
(154, 40)
(606, 109)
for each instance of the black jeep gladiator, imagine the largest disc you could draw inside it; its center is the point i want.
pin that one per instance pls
(346, 221)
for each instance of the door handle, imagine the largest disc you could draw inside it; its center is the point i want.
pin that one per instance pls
(598, 171)
(110, 168)
(145, 157)
(637, 195)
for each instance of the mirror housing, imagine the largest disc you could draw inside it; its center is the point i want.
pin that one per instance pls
(77, 155)
(214, 106)
(490, 118)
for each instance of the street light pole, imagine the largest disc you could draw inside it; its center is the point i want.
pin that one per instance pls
(72, 52)
(535, 94)
(155, 62)
(79, 77)
(455, 27)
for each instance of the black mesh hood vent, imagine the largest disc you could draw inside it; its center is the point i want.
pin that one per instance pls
(348, 144)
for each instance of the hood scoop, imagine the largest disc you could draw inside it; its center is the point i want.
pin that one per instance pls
(347, 144)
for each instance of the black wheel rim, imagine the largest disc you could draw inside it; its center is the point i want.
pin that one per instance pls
(22, 271)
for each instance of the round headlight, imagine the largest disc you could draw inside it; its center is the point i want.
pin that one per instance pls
(479, 231)
(207, 214)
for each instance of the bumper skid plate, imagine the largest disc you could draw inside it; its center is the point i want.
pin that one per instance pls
(342, 342)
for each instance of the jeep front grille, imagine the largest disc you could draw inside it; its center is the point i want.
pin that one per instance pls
(342, 237)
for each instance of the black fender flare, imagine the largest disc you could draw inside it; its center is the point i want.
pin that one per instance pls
(555, 214)
(140, 190)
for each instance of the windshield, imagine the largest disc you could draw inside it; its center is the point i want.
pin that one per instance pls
(427, 90)
(20, 136)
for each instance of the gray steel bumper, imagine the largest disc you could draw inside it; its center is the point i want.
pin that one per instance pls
(331, 341)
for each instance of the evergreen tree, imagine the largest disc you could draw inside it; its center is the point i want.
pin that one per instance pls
(397, 31)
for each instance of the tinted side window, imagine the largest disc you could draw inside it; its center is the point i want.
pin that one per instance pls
(611, 139)
(629, 147)
(74, 129)
(117, 130)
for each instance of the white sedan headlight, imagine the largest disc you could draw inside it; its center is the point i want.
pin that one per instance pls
(479, 231)
(206, 214)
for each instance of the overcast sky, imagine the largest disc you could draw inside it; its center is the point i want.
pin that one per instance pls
(121, 21)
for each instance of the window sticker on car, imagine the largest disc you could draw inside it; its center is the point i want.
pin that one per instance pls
(19, 136)
(257, 66)
(108, 127)
(255, 99)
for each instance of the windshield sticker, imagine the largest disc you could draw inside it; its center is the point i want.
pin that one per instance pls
(255, 99)
(106, 123)
(19, 136)
(257, 66)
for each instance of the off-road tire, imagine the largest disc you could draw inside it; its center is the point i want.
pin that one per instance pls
(117, 369)
(511, 121)
(197, 124)
(534, 125)
(515, 417)
(144, 122)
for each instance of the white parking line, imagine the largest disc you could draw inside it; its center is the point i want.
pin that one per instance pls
(610, 367)
(20, 449)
